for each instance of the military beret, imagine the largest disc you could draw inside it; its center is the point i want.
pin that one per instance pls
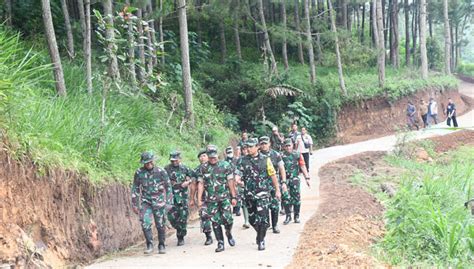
(264, 139)
(147, 156)
(201, 152)
(288, 142)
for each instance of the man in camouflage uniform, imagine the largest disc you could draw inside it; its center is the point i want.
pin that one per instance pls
(294, 162)
(151, 195)
(244, 137)
(180, 178)
(205, 219)
(277, 162)
(240, 188)
(229, 157)
(217, 179)
(258, 174)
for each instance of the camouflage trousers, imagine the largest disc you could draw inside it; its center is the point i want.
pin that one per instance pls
(178, 217)
(258, 211)
(206, 225)
(220, 213)
(148, 213)
(274, 203)
(293, 196)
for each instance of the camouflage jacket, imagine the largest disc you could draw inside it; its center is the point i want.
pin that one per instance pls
(215, 179)
(152, 187)
(292, 161)
(256, 173)
(178, 175)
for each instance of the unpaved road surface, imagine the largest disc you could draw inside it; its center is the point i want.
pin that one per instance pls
(280, 247)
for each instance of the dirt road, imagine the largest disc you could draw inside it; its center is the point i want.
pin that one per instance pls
(280, 247)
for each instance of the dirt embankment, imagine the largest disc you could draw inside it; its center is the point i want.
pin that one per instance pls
(378, 117)
(60, 217)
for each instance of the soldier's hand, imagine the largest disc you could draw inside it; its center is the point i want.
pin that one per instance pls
(185, 184)
(191, 202)
(284, 188)
(233, 202)
(307, 182)
(135, 210)
(199, 204)
(278, 195)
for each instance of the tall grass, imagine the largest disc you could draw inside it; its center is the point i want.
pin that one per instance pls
(427, 223)
(64, 132)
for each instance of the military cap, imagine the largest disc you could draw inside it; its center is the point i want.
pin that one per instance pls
(211, 151)
(147, 156)
(201, 152)
(251, 142)
(229, 150)
(175, 155)
(288, 142)
(264, 139)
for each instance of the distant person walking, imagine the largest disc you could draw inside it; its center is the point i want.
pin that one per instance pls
(295, 136)
(432, 111)
(411, 118)
(276, 139)
(451, 113)
(423, 108)
(308, 146)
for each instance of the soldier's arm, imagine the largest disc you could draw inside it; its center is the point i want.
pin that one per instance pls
(169, 192)
(272, 173)
(302, 165)
(231, 184)
(200, 189)
(135, 193)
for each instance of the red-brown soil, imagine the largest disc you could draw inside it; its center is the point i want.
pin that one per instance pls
(347, 222)
(378, 117)
(453, 141)
(59, 217)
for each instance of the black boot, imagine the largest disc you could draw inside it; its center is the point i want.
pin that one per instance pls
(208, 239)
(297, 213)
(263, 232)
(288, 215)
(180, 240)
(274, 215)
(228, 233)
(219, 238)
(149, 241)
(161, 239)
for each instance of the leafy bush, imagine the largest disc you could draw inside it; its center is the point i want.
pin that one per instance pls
(466, 69)
(427, 223)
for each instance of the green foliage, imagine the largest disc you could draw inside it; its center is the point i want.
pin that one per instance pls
(64, 132)
(427, 223)
(466, 69)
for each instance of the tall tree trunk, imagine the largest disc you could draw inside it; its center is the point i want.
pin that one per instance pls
(344, 14)
(415, 22)
(67, 24)
(424, 57)
(451, 32)
(298, 30)
(342, 84)
(284, 48)
(457, 46)
(85, 19)
(236, 29)
(186, 68)
(114, 72)
(362, 37)
(198, 22)
(223, 45)
(162, 38)
(407, 32)
(309, 40)
(53, 48)
(373, 24)
(430, 24)
(388, 28)
(8, 11)
(131, 51)
(381, 44)
(394, 35)
(268, 47)
(151, 25)
(447, 40)
(141, 46)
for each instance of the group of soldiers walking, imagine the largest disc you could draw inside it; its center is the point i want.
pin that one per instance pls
(257, 179)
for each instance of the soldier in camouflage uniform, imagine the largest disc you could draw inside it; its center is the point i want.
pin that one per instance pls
(217, 179)
(294, 162)
(244, 137)
(206, 225)
(258, 174)
(180, 177)
(229, 157)
(277, 162)
(240, 188)
(151, 195)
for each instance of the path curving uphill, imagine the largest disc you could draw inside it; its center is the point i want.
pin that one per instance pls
(280, 247)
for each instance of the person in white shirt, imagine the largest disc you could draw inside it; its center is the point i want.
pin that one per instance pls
(433, 111)
(306, 146)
